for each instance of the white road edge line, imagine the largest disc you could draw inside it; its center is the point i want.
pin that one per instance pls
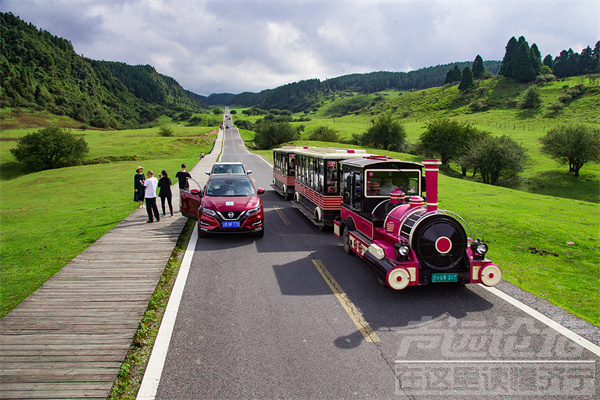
(158, 356)
(545, 320)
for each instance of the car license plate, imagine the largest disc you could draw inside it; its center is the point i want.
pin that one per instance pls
(231, 224)
(445, 277)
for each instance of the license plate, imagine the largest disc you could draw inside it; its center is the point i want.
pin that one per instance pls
(446, 277)
(231, 224)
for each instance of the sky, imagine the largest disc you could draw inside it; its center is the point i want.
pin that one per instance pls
(248, 46)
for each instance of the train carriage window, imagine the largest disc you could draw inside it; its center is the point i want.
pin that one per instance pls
(292, 164)
(332, 177)
(320, 173)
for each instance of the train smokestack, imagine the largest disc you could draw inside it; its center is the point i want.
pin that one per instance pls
(431, 183)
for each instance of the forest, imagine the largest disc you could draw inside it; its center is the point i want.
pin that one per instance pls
(43, 72)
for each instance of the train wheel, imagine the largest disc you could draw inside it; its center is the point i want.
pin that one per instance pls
(346, 241)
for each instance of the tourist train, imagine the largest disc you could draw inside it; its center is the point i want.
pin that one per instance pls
(376, 206)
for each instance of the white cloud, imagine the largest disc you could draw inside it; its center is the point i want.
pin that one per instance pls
(248, 45)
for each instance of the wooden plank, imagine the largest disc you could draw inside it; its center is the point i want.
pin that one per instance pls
(68, 339)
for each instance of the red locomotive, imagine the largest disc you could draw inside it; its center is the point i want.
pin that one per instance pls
(384, 220)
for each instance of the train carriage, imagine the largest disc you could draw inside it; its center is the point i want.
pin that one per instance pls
(318, 175)
(384, 220)
(284, 170)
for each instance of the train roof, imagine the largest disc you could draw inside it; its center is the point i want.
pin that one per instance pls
(381, 162)
(332, 153)
(288, 149)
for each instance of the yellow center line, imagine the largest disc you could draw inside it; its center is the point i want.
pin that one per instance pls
(282, 216)
(354, 313)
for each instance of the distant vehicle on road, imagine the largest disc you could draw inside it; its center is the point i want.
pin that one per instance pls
(228, 168)
(228, 204)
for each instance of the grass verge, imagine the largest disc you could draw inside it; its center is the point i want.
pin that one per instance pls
(132, 370)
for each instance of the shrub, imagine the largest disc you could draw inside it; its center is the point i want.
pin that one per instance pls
(384, 133)
(49, 148)
(531, 98)
(555, 107)
(243, 124)
(270, 134)
(324, 134)
(165, 131)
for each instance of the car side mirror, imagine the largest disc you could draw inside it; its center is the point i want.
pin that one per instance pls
(260, 191)
(196, 192)
(207, 172)
(249, 172)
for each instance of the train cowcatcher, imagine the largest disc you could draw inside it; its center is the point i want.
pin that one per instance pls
(405, 240)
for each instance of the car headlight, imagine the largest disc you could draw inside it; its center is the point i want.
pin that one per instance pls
(208, 211)
(253, 211)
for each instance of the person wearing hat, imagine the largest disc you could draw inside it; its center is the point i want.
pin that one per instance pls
(164, 185)
(138, 186)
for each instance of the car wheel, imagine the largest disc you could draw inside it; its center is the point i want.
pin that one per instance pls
(346, 241)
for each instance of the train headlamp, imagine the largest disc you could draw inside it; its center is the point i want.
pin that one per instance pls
(479, 249)
(402, 251)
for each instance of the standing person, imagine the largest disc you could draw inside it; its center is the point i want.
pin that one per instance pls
(183, 176)
(151, 183)
(164, 184)
(138, 186)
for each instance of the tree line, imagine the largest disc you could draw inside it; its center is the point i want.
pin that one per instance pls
(306, 95)
(42, 72)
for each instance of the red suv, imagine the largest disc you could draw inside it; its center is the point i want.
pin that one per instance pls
(228, 204)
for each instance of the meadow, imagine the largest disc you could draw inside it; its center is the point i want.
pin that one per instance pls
(544, 233)
(49, 217)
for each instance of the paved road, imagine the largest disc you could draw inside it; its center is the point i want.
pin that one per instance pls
(290, 316)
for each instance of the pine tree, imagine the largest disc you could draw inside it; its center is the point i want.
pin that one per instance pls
(595, 67)
(466, 80)
(478, 68)
(521, 62)
(536, 59)
(549, 62)
(506, 68)
(453, 75)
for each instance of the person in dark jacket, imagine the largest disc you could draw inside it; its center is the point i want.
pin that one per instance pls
(164, 185)
(183, 176)
(138, 186)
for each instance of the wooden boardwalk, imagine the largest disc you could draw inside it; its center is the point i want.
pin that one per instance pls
(68, 339)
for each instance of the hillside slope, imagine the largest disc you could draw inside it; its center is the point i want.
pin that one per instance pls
(43, 72)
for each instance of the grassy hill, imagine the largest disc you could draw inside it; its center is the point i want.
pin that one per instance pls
(501, 117)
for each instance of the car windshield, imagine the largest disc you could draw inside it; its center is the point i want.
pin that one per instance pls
(228, 169)
(229, 187)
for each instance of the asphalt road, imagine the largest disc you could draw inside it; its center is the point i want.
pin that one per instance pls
(291, 316)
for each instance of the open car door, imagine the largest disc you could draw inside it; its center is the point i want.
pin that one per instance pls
(190, 199)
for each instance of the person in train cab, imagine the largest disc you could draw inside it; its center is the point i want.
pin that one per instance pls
(387, 187)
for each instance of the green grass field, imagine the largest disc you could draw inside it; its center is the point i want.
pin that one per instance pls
(544, 234)
(49, 217)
